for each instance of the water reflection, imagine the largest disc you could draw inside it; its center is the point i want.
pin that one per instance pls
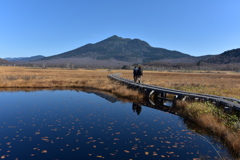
(83, 125)
(136, 108)
(168, 103)
(104, 95)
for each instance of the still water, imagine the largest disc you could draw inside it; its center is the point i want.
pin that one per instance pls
(64, 124)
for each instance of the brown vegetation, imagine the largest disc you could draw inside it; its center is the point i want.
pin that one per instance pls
(213, 120)
(216, 83)
(226, 84)
(19, 77)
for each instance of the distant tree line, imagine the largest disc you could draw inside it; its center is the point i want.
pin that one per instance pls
(162, 66)
(188, 67)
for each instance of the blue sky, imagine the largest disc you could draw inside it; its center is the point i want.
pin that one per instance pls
(50, 27)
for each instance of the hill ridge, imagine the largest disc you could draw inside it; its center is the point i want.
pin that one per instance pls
(227, 57)
(122, 49)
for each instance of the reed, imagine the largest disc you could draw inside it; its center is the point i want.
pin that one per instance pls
(213, 120)
(216, 83)
(19, 77)
(226, 84)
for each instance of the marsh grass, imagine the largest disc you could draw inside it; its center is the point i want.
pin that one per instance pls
(19, 77)
(223, 83)
(226, 84)
(216, 83)
(213, 120)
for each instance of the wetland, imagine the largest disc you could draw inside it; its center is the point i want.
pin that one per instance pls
(75, 124)
(50, 113)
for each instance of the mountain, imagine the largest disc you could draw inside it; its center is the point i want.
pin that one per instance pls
(25, 58)
(3, 61)
(186, 60)
(227, 57)
(115, 52)
(120, 49)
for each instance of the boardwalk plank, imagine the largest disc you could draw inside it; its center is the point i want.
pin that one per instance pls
(226, 101)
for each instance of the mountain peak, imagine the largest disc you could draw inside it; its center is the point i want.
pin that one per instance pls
(121, 49)
(113, 38)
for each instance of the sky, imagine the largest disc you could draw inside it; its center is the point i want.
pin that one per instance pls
(49, 27)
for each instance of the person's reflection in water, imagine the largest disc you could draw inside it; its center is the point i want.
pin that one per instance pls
(136, 108)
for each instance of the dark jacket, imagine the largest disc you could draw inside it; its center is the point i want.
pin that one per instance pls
(135, 71)
(139, 72)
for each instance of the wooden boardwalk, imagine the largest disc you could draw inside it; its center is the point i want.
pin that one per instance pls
(149, 90)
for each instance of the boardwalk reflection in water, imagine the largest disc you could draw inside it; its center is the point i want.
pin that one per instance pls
(81, 125)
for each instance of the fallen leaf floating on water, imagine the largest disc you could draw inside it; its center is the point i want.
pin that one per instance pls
(155, 154)
(126, 151)
(36, 133)
(8, 143)
(44, 151)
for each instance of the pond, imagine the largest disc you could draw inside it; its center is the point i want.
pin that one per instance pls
(68, 124)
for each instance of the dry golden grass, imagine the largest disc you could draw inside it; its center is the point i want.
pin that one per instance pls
(19, 77)
(205, 116)
(224, 84)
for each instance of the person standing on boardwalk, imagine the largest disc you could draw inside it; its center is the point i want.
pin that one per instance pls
(135, 71)
(139, 74)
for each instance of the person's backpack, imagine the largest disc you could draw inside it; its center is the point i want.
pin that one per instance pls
(139, 72)
(135, 71)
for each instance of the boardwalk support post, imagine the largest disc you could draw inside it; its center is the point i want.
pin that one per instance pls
(153, 95)
(163, 95)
